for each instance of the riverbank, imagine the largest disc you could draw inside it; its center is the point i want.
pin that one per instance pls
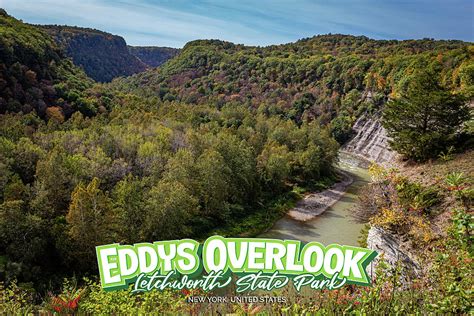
(262, 220)
(335, 222)
(315, 204)
(310, 215)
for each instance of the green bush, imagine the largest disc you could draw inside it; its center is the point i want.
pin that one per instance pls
(417, 197)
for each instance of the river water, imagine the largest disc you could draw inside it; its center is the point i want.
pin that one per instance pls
(336, 224)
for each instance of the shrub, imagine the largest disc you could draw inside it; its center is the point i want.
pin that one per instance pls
(416, 197)
(390, 219)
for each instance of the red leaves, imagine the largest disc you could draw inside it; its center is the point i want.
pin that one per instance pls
(457, 187)
(65, 303)
(58, 304)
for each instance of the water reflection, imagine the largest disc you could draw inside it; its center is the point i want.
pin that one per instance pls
(335, 225)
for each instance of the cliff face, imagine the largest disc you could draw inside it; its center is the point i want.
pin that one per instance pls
(153, 56)
(103, 56)
(394, 252)
(370, 141)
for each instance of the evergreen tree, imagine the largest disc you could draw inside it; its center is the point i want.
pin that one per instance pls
(424, 121)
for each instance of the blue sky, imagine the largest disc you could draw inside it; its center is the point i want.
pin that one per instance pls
(258, 22)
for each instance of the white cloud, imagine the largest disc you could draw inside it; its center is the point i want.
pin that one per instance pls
(138, 22)
(252, 22)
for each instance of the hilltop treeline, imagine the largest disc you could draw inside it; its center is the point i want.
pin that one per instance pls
(325, 77)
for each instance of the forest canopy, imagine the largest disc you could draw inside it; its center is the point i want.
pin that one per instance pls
(216, 136)
(330, 78)
(175, 172)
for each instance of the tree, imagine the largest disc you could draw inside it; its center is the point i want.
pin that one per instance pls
(238, 157)
(91, 222)
(424, 120)
(213, 184)
(167, 211)
(56, 177)
(274, 165)
(128, 197)
(310, 163)
(23, 241)
(342, 127)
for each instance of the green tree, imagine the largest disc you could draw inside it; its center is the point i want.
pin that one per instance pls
(424, 120)
(274, 165)
(26, 155)
(128, 197)
(56, 176)
(213, 184)
(90, 219)
(23, 241)
(310, 163)
(239, 158)
(169, 207)
(341, 127)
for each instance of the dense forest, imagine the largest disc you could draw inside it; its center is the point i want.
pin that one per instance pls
(103, 56)
(154, 171)
(327, 78)
(222, 138)
(153, 56)
(34, 75)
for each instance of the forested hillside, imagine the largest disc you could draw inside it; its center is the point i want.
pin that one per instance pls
(153, 56)
(103, 56)
(127, 168)
(35, 75)
(325, 77)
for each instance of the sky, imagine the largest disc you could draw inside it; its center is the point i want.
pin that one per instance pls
(259, 22)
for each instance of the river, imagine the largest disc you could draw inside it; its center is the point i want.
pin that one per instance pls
(336, 224)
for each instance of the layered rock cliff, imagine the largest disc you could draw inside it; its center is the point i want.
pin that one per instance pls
(394, 251)
(370, 141)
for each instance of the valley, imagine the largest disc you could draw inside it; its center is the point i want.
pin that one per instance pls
(332, 138)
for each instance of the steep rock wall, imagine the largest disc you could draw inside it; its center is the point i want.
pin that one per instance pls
(370, 141)
(103, 56)
(394, 251)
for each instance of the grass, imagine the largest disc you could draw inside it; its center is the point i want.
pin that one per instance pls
(434, 172)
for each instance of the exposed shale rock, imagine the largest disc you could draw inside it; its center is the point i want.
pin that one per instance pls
(391, 248)
(370, 141)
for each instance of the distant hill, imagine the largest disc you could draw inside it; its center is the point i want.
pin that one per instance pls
(35, 76)
(333, 78)
(103, 56)
(153, 56)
